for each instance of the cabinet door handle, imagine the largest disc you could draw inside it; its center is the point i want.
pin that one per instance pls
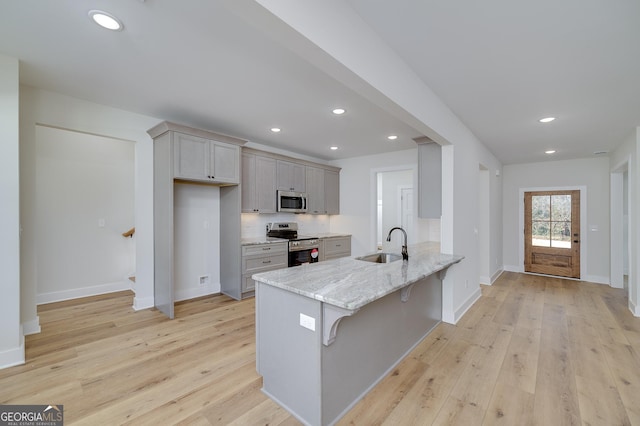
(338, 245)
(266, 248)
(266, 261)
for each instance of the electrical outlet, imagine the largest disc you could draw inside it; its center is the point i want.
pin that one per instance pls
(466, 283)
(307, 322)
(203, 280)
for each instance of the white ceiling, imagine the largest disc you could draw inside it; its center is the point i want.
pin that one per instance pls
(498, 65)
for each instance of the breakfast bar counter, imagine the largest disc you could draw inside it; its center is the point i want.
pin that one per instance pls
(327, 332)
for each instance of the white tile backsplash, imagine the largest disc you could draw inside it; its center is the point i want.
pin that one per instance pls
(255, 225)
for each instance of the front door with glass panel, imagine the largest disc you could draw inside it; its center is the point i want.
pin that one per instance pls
(552, 233)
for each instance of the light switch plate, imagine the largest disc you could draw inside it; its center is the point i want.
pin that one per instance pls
(307, 322)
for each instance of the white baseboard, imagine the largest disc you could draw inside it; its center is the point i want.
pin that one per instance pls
(13, 357)
(467, 304)
(449, 317)
(453, 317)
(191, 293)
(485, 280)
(140, 303)
(496, 275)
(597, 279)
(57, 296)
(31, 326)
(513, 268)
(634, 309)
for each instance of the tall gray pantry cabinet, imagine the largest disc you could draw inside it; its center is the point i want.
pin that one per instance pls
(185, 154)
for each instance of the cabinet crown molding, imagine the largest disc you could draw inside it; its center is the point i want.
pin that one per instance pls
(275, 156)
(167, 126)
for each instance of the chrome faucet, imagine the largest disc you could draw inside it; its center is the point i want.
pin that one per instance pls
(405, 254)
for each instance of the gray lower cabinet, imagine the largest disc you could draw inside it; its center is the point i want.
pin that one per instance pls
(260, 258)
(335, 247)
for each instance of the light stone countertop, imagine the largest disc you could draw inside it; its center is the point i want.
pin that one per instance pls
(261, 240)
(331, 235)
(351, 284)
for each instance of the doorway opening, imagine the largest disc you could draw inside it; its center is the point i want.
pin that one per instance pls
(394, 206)
(84, 199)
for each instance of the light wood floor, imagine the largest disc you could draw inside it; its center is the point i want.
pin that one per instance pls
(532, 350)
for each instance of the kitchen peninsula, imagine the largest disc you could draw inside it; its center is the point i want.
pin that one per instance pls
(327, 332)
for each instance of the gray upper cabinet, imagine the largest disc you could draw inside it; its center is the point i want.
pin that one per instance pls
(206, 160)
(323, 190)
(264, 173)
(226, 162)
(315, 191)
(331, 192)
(291, 176)
(429, 180)
(258, 184)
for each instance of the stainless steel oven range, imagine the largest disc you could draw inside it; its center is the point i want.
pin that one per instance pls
(302, 249)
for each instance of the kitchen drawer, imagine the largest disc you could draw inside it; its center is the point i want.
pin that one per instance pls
(264, 249)
(252, 265)
(337, 247)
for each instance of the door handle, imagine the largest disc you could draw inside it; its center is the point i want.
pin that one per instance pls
(576, 241)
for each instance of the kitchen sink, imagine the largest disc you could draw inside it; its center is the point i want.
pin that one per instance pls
(380, 257)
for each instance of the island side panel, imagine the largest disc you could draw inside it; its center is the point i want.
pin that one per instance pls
(371, 342)
(289, 354)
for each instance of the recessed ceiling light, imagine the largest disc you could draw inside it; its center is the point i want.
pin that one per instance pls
(333, 148)
(392, 137)
(106, 20)
(276, 129)
(551, 151)
(339, 111)
(547, 119)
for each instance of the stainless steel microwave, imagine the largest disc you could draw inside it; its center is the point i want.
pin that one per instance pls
(292, 202)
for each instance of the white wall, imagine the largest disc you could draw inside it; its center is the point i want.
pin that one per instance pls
(11, 335)
(196, 240)
(628, 152)
(592, 173)
(358, 199)
(56, 110)
(81, 180)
